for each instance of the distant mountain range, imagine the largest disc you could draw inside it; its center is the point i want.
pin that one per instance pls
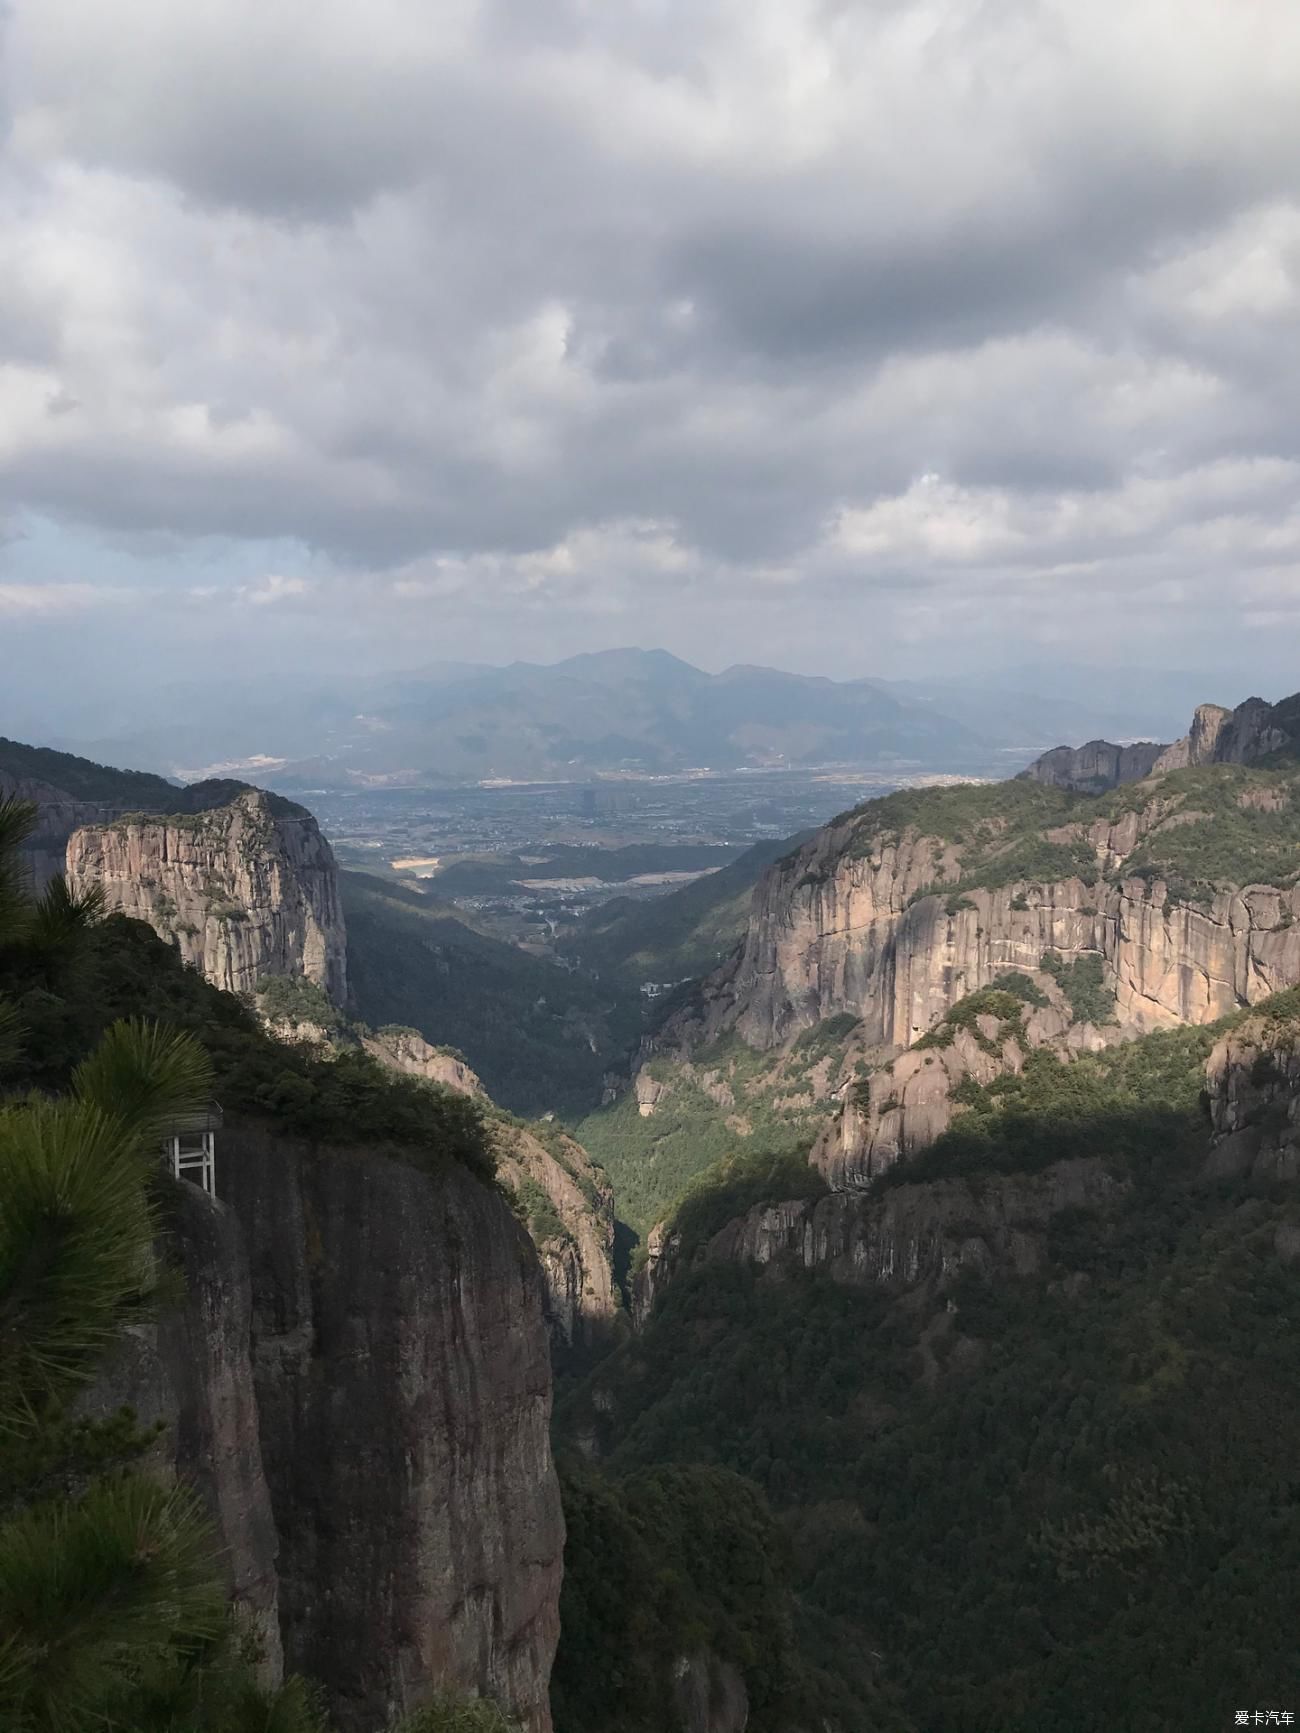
(617, 711)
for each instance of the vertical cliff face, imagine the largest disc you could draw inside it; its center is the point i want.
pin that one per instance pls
(568, 1206)
(58, 814)
(403, 1388)
(1095, 767)
(1219, 736)
(245, 891)
(912, 1236)
(1253, 1094)
(358, 1384)
(563, 1197)
(857, 939)
(191, 1368)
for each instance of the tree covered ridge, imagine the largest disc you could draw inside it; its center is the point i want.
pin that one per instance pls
(143, 792)
(1212, 826)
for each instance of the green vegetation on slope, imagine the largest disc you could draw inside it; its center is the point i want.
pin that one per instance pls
(1245, 828)
(651, 1160)
(666, 1563)
(112, 1607)
(142, 791)
(82, 778)
(540, 1037)
(1219, 824)
(1071, 1502)
(125, 970)
(1135, 1102)
(686, 933)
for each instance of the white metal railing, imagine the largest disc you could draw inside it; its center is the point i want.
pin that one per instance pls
(190, 1148)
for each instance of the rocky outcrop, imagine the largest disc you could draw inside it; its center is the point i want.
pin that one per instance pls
(649, 1092)
(189, 1367)
(568, 1207)
(246, 891)
(1240, 736)
(407, 1051)
(1217, 736)
(846, 922)
(563, 1198)
(854, 938)
(907, 1237)
(1096, 767)
(1253, 1095)
(403, 1389)
(58, 814)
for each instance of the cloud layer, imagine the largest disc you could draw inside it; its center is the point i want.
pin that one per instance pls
(818, 331)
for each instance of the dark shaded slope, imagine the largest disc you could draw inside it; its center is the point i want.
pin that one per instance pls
(685, 933)
(1060, 1498)
(540, 1038)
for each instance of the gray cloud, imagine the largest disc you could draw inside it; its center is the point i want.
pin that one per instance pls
(662, 320)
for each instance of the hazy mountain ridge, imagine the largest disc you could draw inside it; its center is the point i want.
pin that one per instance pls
(636, 711)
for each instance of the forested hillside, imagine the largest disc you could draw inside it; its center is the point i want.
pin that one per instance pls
(674, 937)
(1064, 1497)
(541, 1038)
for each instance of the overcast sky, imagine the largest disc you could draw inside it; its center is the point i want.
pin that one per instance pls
(852, 336)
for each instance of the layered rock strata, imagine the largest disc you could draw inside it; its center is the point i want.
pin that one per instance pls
(246, 891)
(575, 1238)
(856, 937)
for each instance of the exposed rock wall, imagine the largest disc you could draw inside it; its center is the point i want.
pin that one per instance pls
(1253, 1092)
(404, 1392)
(407, 1051)
(358, 1384)
(833, 932)
(244, 891)
(575, 1242)
(1219, 736)
(57, 816)
(908, 1236)
(191, 1367)
(1216, 736)
(1096, 767)
(576, 1248)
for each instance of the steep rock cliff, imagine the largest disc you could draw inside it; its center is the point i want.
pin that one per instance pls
(1220, 736)
(563, 1198)
(1217, 736)
(58, 814)
(357, 1382)
(407, 1051)
(1253, 1096)
(908, 1237)
(1095, 767)
(190, 1367)
(403, 1390)
(568, 1207)
(245, 891)
(858, 939)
